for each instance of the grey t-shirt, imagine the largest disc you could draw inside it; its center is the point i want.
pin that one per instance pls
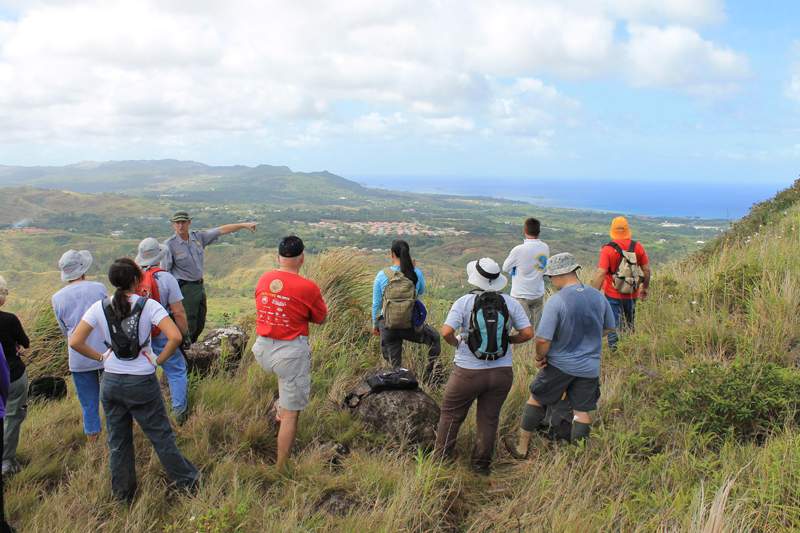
(458, 319)
(184, 259)
(169, 291)
(69, 305)
(573, 319)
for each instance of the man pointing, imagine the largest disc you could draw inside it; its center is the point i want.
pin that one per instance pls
(184, 260)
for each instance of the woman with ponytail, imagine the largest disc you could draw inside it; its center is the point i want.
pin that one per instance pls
(129, 389)
(392, 337)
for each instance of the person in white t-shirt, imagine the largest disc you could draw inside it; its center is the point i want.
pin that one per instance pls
(129, 389)
(526, 263)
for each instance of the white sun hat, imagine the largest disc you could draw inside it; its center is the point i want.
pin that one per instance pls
(486, 275)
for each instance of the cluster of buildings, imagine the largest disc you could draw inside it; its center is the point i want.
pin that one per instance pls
(386, 228)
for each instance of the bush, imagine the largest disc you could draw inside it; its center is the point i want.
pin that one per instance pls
(747, 400)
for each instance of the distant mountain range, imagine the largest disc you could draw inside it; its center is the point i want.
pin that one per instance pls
(168, 176)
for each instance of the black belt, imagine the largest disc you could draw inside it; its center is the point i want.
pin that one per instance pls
(182, 282)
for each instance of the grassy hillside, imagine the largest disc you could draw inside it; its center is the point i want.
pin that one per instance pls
(697, 428)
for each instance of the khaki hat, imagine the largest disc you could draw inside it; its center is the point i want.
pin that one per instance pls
(180, 216)
(561, 264)
(620, 228)
(151, 252)
(74, 264)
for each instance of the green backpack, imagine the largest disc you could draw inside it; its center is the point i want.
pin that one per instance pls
(399, 296)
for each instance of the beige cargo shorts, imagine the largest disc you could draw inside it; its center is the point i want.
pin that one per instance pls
(291, 362)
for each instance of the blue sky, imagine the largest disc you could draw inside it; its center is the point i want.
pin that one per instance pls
(681, 90)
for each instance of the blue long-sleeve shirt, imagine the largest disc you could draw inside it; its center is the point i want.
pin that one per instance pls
(380, 284)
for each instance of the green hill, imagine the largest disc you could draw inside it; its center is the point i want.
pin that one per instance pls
(696, 431)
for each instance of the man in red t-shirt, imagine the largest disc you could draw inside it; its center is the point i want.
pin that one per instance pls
(285, 303)
(623, 305)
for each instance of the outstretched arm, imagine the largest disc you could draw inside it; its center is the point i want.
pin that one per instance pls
(233, 228)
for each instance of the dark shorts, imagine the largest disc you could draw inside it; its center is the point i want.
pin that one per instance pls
(551, 383)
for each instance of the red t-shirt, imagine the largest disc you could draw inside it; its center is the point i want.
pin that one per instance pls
(285, 304)
(610, 260)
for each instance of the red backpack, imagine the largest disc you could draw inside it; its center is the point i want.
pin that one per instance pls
(148, 288)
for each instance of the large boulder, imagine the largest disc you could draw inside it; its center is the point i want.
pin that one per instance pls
(221, 348)
(407, 416)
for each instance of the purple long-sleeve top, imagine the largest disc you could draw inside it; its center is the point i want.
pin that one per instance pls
(5, 382)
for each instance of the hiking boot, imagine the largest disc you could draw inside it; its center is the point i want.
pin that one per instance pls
(181, 417)
(512, 449)
(11, 467)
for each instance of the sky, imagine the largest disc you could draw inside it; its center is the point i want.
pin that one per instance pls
(635, 90)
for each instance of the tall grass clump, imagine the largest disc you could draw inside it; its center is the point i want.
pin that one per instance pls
(48, 352)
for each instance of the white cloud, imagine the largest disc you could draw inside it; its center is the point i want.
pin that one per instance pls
(167, 70)
(678, 57)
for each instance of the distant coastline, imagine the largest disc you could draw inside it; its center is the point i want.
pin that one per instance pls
(658, 199)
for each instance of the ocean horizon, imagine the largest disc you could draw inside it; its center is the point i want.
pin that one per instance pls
(666, 199)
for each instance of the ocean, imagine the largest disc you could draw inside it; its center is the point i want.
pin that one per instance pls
(673, 199)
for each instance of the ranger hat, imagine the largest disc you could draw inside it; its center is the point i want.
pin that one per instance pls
(151, 252)
(74, 264)
(180, 216)
(561, 264)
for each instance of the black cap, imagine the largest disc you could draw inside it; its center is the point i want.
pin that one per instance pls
(291, 246)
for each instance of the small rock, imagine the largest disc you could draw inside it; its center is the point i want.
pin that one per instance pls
(337, 502)
(231, 342)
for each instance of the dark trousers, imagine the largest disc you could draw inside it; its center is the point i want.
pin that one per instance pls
(194, 301)
(127, 398)
(490, 388)
(624, 315)
(392, 343)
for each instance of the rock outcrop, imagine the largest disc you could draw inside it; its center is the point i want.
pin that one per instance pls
(407, 416)
(220, 348)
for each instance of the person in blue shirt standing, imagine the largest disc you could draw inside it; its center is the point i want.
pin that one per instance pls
(569, 341)
(392, 338)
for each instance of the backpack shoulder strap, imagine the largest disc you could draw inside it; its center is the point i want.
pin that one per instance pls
(388, 272)
(616, 247)
(108, 311)
(632, 246)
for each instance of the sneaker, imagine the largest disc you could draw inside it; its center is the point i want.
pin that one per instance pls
(11, 467)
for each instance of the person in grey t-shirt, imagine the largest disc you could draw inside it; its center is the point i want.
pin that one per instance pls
(170, 297)
(69, 305)
(568, 345)
(184, 259)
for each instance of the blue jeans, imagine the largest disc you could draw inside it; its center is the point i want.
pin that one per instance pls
(624, 314)
(87, 385)
(127, 398)
(177, 375)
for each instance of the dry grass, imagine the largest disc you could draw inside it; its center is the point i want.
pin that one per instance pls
(641, 471)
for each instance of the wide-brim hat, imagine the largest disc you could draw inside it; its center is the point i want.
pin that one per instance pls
(180, 216)
(486, 274)
(561, 264)
(74, 264)
(620, 229)
(151, 252)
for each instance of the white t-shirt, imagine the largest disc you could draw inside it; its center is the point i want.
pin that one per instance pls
(458, 319)
(152, 314)
(526, 263)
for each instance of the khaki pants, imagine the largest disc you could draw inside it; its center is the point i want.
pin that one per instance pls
(533, 308)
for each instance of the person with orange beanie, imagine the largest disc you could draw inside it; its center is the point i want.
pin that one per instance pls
(623, 274)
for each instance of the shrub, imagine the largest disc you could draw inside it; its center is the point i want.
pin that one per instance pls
(747, 400)
(732, 287)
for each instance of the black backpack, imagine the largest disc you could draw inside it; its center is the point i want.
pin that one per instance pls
(394, 379)
(125, 333)
(488, 326)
